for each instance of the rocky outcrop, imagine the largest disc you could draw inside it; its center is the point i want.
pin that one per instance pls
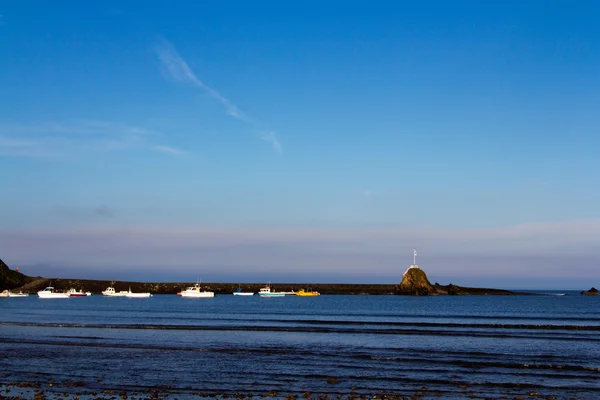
(415, 283)
(592, 292)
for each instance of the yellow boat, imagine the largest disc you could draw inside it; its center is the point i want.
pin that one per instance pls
(302, 292)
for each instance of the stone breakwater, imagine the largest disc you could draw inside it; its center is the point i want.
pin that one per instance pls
(414, 283)
(97, 286)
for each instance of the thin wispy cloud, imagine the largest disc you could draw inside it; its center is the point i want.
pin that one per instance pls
(270, 137)
(15, 147)
(104, 211)
(73, 138)
(83, 213)
(169, 150)
(15, 143)
(179, 70)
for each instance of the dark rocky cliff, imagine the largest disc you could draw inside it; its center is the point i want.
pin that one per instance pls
(10, 279)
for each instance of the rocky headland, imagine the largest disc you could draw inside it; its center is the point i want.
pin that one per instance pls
(11, 279)
(414, 283)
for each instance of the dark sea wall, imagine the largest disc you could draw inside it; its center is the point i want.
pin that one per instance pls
(96, 286)
(414, 283)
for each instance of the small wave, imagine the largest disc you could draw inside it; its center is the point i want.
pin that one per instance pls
(323, 329)
(444, 325)
(433, 316)
(498, 364)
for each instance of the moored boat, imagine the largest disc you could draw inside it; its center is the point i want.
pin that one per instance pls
(304, 293)
(130, 294)
(78, 293)
(51, 293)
(20, 294)
(8, 293)
(266, 292)
(111, 292)
(239, 292)
(195, 292)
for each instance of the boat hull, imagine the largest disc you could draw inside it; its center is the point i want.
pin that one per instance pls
(272, 294)
(197, 295)
(138, 295)
(266, 292)
(243, 294)
(194, 292)
(51, 293)
(78, 293)
(10, 294)
(303, 293)
(46, 295)
(111, 292)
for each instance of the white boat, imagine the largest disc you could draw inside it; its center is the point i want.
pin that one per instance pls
(78, 293)
(240, 293)
(8, 293)
(20, 294)
(50, 293)
(110, 291)
(130, 294)
(194, 291)
(266, 292)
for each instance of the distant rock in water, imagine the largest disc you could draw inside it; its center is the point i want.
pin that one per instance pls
(592, 292)
(415, 283)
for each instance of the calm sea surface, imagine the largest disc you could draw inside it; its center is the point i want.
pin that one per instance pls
(455, 347)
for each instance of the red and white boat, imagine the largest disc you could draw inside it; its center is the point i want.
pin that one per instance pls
(78, 293)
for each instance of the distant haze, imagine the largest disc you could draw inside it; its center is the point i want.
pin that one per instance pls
(561, 256)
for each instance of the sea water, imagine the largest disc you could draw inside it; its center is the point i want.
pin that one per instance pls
(446, 346)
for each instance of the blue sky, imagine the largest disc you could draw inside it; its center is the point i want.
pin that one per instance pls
(301, 140)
